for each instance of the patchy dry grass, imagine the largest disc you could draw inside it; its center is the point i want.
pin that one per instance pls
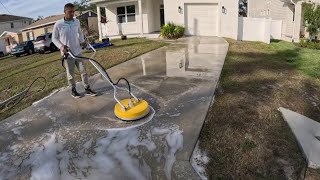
(245, 136)
(18, 73)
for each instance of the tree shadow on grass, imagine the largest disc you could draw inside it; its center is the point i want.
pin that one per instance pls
(275, 40)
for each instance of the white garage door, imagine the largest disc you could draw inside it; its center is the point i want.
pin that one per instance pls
(201, 19)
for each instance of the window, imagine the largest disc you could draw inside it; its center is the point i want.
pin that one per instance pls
(14, 41)
(12, 25)
(126, 14)
(30, 36)
(41, 38)
(121, 12)
(131, 14)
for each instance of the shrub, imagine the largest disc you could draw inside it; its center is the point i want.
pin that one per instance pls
(311, 17)
(172, 31)
(309, 44)
(303, 43)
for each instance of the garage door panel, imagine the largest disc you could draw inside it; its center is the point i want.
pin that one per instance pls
(201, 19)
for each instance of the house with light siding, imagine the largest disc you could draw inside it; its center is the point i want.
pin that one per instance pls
(12, 23)
(44, 26)
(204, 18)
(199, 17)
(289, 11)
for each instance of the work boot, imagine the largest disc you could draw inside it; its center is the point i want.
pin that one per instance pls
(89, 92)
(74, 93)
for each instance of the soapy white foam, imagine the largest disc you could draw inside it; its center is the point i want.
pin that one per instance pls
(175, 115)
(199, 160)
(119, 154)
(15, 148)
(44, 160)
(6, 171)
(159, 131)
(48, 113)
(21, 121)
(147, 119)
(107, 118)
(174, 143)
(17, 130)
(88, 144)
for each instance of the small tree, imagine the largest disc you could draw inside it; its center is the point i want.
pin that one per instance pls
(82, 6)
(243, 8)
(311, 17)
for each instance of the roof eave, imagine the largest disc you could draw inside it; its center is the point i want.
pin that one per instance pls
(33, 27)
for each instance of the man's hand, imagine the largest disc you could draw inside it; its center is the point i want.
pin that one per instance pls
(62, 49)
(83, 45)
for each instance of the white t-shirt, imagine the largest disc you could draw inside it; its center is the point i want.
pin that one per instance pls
(68, 33)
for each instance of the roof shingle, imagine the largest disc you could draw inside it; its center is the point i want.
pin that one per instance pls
(49, 20)
(45, 21)
(7, 17)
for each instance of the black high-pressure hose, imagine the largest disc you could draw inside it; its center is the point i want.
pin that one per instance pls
(65, 56)
(16, 99)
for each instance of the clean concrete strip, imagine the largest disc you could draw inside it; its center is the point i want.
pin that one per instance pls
(306, 132)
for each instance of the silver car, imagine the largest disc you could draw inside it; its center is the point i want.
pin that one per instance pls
(44, 43)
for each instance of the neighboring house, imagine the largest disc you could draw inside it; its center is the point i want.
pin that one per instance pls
(13, 23)
(199, 17)
(44, 26)
(289, 11)
(9, 40)
(16, 36)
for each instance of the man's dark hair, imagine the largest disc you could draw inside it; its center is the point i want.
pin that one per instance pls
(69, 5)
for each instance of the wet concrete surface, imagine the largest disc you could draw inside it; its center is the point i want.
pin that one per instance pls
(64, 138)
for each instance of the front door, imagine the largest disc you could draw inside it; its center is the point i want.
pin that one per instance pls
(162, 20)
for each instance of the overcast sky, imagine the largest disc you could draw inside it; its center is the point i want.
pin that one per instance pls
(33, 8)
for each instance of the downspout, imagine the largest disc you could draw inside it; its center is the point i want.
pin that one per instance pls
(294, 23)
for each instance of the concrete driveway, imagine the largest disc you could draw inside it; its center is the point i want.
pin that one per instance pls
(63, 138)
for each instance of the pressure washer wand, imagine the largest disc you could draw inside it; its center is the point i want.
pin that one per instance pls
(103, 72)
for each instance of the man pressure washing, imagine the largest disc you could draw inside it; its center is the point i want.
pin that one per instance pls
(67, 33)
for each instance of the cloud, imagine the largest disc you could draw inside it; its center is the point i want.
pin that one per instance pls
(34, 8)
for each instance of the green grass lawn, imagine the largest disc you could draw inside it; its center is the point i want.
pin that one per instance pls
(18, 73)
(306, 60)
(244, 135)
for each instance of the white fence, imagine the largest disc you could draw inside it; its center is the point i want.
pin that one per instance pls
(259, 29)
(276, 29)
(104, 29)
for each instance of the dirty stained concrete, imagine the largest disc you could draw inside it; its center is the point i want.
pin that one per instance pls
(64, 138)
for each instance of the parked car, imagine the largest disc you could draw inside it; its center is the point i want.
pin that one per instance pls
(26, 47)
(44, 43)
(1, 54)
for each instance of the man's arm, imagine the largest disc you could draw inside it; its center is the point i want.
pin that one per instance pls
(56, 38)
(81, 36)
